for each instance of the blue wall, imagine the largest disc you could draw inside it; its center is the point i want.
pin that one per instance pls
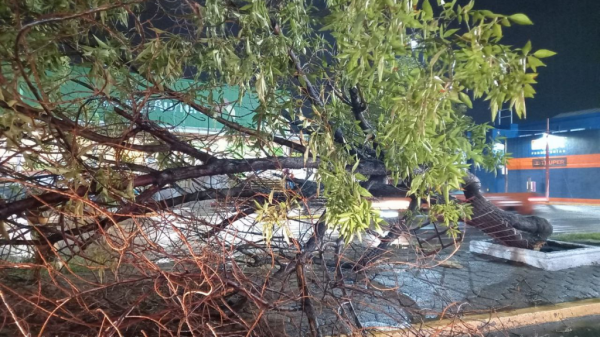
(491, 183)
(577, 142)
(568, 182)
(578, 183)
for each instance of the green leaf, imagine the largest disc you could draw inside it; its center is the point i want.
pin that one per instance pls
(360, 177)
(129, 190)
(156, 30)
(490, 14)
(358, 22)
(450, 32)
(380, 68)
(542, 53)
(494, 109)
(534, 62)
(260, 86)
(436, 57)
(427, 10)
(528, 91)
(355, 166)
(520, 19)
(100, 42)
(363, 192)
(466, 99)
(497, 29)
(526, 48)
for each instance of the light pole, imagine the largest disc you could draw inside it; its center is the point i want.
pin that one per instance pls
(547, 160)
(505, 168)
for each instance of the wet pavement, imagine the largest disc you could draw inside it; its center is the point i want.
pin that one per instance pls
(483, 283)
(479, 284)
(465, 284)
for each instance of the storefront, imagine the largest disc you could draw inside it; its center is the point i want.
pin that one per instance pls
(574, 158)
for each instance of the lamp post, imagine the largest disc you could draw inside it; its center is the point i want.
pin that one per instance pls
(505, 168)
(547, 159)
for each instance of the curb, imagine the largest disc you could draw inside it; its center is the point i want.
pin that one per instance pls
(565, 203)
(497, 321)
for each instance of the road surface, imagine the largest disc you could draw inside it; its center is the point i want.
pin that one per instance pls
(571, 218)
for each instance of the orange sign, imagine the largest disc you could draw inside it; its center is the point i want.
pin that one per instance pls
(571, 161)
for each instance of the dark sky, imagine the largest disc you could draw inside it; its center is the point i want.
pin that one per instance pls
(571, 80)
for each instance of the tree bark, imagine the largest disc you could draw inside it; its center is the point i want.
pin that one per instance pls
(509, 229)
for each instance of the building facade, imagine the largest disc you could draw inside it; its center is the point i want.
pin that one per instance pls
(574, 152)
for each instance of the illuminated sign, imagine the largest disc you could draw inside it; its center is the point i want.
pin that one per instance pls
(554, 162)
(556, 145)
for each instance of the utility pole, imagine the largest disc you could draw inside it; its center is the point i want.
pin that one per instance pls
(547, 159)
(506, 168)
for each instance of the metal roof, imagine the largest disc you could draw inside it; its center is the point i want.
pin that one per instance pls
(577, 113)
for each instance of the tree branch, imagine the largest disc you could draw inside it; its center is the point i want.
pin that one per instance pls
(237, 127)
(215, 167)
(307, 306)
(70, 126)
(161, 133)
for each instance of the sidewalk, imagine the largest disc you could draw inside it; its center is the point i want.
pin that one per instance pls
(400, 291)
(482, 285)
(488, 283)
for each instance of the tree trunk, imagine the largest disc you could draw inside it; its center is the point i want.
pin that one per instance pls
(507, 228)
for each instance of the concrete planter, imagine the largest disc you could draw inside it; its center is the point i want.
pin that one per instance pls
(561, 255)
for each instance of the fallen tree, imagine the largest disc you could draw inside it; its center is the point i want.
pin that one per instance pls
(509, 228)
(146, 140)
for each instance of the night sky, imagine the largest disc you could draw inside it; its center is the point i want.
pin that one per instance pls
(571, 80)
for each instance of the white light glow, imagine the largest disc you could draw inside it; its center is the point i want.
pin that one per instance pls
(554, 142)
(388, 214)
(391, 204)
(498, 147)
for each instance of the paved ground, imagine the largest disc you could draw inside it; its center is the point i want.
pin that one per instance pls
(484, 284)
(571, 218)
(470, 284)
